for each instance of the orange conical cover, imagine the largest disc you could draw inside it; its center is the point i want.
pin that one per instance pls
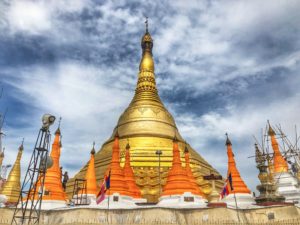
(280, 165)
(177, 181)
(192, 180)
(117, 178)
(129, 176)
(90, 177)
(53, 185)
(238, 184)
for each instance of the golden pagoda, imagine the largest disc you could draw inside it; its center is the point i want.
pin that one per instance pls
(12, 186)
(90, 177)
(150, 127)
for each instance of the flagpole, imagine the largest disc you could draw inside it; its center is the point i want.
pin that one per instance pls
(108, 199)
(237, 212)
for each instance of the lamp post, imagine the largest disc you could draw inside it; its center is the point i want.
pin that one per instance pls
(159, 152)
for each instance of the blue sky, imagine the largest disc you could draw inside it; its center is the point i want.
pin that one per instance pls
(221, 66)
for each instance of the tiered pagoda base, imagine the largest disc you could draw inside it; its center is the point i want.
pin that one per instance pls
(288, 187)
(240, 201)
(187, 200)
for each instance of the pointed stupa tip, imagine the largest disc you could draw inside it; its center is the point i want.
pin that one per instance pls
(21, 148)
(175, 138)
(228, 142)
(186, 150)
(147, 63)
(57, 132)
(271, 131)
(93, 149)
(117, 134)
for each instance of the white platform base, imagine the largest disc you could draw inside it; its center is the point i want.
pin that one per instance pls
(50, 204)
(187, 200)
(287, 186)
(115, 201)
(243, 201)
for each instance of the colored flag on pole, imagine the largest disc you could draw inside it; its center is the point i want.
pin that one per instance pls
(101, 195)
(107, 181)
(224, 191)
(104, 187)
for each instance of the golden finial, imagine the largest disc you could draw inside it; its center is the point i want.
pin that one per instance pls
(22, 145)
(146, 22)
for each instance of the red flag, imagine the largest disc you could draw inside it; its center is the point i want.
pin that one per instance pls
(101, 195)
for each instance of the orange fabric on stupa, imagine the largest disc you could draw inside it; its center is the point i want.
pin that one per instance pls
(177, 181)
(192, 180)
(129, 176)
(117, 178)
(90, 176)
(238, 184)
(53, 185)
(279, 163)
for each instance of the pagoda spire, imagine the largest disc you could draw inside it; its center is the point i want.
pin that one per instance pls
(238, 184)
(53, 185)
(280, 165)
(12, 186)
(146, 84)
(192, 180)
(117, 181)
(177, 181)
(91, 183)
(129, 176)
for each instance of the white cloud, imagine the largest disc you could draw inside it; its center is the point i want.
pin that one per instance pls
(82, 95)
(31, 17)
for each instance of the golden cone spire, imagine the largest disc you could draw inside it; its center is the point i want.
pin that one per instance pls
(280, 165)
(177, 181)
(129, 176)
(53, 185)
(12, 186)
(238, 184)
(91, 183)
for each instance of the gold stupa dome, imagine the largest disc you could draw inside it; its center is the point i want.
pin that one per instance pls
(150, 127)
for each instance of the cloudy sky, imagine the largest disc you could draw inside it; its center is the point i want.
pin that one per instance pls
(221, 66)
